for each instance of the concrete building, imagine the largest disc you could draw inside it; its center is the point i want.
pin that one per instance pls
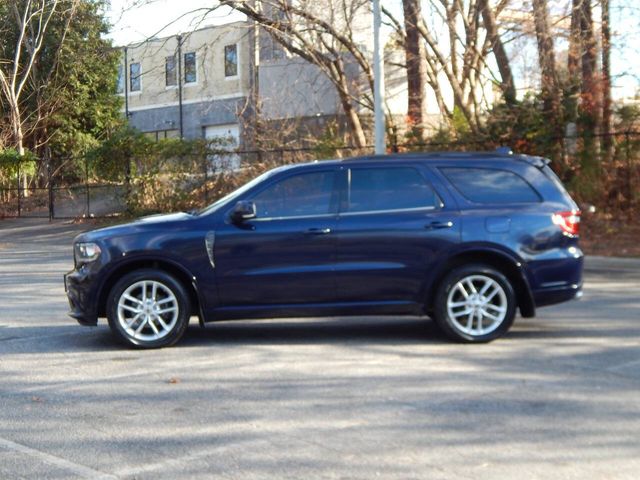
(210, 83)
(194, 85)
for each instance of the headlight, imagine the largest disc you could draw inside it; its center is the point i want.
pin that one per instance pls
(86, 252)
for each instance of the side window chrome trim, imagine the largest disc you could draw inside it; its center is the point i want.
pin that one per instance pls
(393, 210)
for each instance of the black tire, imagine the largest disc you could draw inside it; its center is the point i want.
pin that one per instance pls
(170, 295)
(501, 306)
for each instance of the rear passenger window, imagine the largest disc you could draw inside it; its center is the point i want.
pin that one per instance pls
(485, 185)
(398, 188)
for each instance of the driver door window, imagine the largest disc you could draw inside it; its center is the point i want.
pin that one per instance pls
(304, 195)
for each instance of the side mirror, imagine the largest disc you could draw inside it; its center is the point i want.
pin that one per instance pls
(242, 211)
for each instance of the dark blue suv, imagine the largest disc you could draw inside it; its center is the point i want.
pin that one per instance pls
(465, 238)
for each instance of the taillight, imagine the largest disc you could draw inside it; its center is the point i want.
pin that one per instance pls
(569, 222)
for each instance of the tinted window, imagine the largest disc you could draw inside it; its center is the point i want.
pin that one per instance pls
(190, 75)
(484, 185)
(170, 71)
(389, 189)
(230, 61)
(300, 195)
(134, 77)
(120, 84)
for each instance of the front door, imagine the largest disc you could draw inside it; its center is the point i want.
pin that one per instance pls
(283, 257)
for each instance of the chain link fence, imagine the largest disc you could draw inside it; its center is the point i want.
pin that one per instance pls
(87, 187)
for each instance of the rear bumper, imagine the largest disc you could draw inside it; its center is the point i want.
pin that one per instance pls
(78, 288)
(557, 278)
(553, 295)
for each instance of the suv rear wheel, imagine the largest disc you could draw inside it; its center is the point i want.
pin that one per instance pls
(148, 309)
(475, 304)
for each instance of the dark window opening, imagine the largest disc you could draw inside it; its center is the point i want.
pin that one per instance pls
(171, 78)
(135, 83)
(230, 60)
(190, 74)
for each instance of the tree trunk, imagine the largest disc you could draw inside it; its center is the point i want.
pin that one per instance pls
(18, 134)
(573, 64)
(352, 118)
(590, 95)
(546, 57)
(549, 79)
(504, 67)
(18, 140)
(415, 53)
(607, 127)
(573, 57)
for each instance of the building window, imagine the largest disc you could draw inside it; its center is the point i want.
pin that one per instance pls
(190, 75)
(162, 135)
(135, 85)
(230, 60)
(120, 84)
(171, 79)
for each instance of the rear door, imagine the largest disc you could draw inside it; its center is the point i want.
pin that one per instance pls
(391, 229)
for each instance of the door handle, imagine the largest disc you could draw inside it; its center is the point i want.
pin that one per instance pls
(317, 231)
(438, 225)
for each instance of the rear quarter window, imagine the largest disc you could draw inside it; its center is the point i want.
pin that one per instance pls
(488, 185)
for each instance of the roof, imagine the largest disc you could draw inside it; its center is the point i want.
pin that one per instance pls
(500, 153)
(538, 162)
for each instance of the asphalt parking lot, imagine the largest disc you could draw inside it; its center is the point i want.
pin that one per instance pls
(559, 397)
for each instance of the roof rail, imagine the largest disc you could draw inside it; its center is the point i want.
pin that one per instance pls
(504, 150)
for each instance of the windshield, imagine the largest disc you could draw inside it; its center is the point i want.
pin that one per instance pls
(236, 193)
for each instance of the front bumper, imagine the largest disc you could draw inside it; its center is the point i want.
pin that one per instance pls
(77, 285)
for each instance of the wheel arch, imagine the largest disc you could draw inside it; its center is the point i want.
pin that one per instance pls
(172, 268)
(504, 263)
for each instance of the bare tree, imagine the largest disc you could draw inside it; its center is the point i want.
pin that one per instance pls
(463, 60)
(313, 33)
(32, 19)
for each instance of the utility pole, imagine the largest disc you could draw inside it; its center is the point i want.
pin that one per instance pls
(378, 82)
(180, 113)
(256, 86)
(127, 166)
(126, 84)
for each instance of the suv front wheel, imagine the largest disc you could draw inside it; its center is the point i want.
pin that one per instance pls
(148, 309)
(475, 304)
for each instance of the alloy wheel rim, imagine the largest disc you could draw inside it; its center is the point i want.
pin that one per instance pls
(147, 310)
(477, 305)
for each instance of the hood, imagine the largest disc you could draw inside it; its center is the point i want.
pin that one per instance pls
(143, 224)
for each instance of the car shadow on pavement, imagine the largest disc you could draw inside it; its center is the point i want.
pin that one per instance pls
(361, 330)
(369, 331)
(366, 330)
